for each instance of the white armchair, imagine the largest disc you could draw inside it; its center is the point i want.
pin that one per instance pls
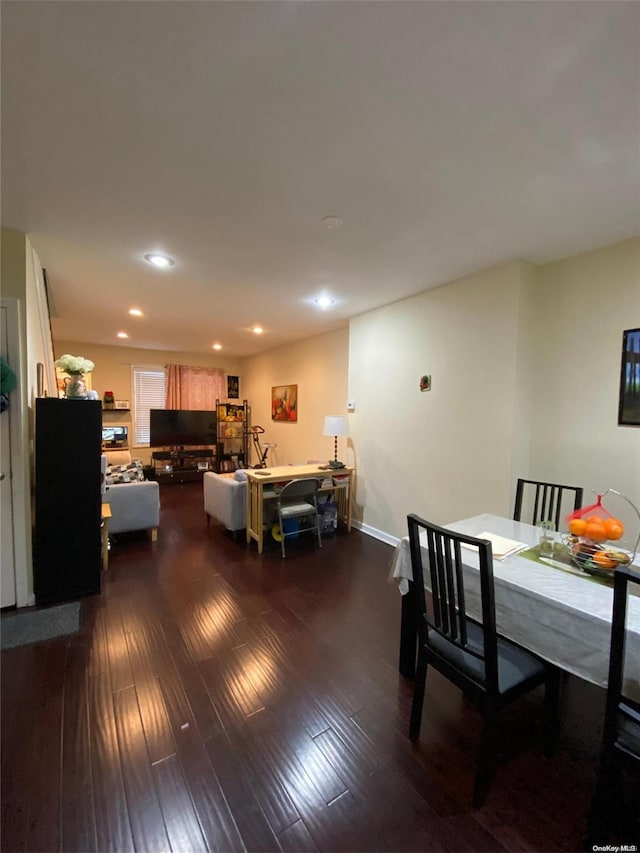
(225, 499)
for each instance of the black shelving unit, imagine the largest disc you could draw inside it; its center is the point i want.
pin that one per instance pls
(67, 541)
(233, 448)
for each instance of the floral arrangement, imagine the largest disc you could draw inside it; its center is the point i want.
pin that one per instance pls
(74, 365)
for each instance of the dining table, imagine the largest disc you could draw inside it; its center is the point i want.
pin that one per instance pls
(555, 610)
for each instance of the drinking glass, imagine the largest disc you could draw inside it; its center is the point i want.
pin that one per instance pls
(547, 538)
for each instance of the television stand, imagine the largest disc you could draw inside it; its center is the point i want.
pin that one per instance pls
(181, 466)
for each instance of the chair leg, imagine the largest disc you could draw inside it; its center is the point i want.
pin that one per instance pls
(596, 821)
(486, 761)
(551, 709)
(318, 529)
(418, 697)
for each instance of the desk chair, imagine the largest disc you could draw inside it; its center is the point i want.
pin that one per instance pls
(298, 499)
(547, 500)
(619, 771)
(469, 652)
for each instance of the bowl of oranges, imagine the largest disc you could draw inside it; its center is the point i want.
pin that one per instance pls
(589, 538)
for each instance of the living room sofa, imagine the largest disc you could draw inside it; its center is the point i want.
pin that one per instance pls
(134, 502)
(225, 499)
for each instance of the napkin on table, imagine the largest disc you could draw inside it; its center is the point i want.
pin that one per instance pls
(501, 546)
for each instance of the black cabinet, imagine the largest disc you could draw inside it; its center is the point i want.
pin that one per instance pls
(181, 466)
(67, 542)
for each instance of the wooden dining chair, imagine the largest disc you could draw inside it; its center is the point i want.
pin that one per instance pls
(545, 501)
(298, 499)
(469, 651)
(616, 801)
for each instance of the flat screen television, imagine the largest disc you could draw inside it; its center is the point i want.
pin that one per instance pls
(181, 427)
(115, 436)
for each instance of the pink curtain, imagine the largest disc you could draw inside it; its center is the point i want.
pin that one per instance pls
(194, 387)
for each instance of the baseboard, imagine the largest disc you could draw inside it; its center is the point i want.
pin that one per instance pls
(381, 535)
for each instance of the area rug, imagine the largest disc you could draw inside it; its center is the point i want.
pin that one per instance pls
(33, 626)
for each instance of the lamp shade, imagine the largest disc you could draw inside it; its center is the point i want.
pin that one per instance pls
(336, 425)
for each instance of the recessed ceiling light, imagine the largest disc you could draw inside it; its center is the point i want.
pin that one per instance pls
(136, 312)
(332, 222)
(257, 330)
(324, 301)
(158, 260)
(122, 335)
(217, 346)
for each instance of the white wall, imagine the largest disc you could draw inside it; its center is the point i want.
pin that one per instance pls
(583, 305)
(318, 366)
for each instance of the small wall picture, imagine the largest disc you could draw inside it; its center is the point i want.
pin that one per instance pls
(425, 383)
(629, 402)
(284, 403)
(233, 387)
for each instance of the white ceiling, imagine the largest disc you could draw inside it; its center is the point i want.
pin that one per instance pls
(449, 136)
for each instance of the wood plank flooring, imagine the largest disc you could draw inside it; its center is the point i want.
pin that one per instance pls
(216, 700)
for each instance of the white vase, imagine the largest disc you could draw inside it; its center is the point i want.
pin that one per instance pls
(75, 387)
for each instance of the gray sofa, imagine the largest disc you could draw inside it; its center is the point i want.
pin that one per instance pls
(225, 499)
(134, 505)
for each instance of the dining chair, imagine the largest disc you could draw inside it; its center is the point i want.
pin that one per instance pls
(469, 651)
(618, 777)
(298, 499)
(546, 501)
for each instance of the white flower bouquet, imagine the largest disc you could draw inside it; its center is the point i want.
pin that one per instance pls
(74, 365)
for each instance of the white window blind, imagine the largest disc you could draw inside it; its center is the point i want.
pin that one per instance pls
(148, 393)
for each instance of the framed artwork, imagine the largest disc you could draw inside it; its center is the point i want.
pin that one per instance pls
(629, 402)
(284, 403)
(233, 387)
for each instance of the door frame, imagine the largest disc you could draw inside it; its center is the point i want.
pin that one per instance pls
(20, 493)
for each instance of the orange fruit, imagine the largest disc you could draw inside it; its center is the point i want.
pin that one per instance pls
(602, 559)
(577, 526)
(614, 528)
(596, 530)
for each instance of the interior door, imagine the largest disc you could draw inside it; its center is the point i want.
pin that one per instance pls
(7, 544)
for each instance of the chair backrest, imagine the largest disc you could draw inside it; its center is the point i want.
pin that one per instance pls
(447, 610)
(619, 705)
(299, 489)
(545, 501)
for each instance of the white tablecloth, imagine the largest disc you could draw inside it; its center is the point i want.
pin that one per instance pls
(564, 618)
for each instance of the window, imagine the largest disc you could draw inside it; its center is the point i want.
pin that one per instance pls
(148, 393)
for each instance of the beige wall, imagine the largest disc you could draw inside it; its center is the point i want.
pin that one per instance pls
(444, 453)
(525, 364)
(582, 307)
(16, 284)
(112, 371)
(318, 366)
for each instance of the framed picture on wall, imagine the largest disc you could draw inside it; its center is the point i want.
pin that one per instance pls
(629, 401)
(233, 387)
(284, 403)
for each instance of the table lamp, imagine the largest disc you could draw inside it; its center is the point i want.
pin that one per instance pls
(336, 425)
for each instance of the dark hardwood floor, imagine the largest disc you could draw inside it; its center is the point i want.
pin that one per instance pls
(220, 700)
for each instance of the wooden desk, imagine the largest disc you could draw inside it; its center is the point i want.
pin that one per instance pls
(260, 483)
(105, 516)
